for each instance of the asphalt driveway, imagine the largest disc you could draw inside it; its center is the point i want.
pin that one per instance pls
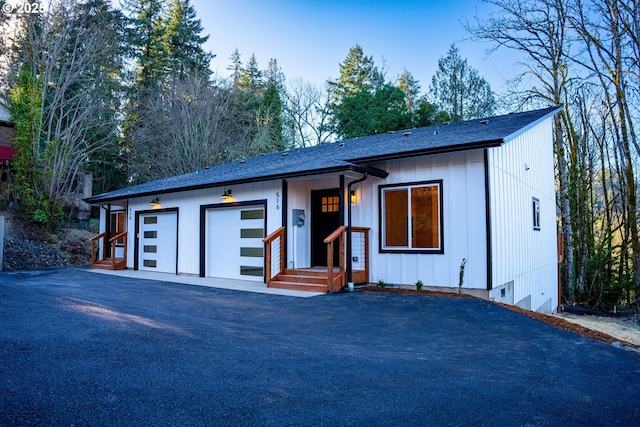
(79, 348)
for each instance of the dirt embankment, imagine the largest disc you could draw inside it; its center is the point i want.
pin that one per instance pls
(28, 248)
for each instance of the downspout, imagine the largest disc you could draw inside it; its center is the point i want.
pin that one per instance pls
(349, 255)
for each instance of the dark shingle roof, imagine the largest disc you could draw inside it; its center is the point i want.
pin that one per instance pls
(353, 154)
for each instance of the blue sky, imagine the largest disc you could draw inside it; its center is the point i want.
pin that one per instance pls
(311, 38)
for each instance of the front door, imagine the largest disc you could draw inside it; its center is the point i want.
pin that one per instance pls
(325, 219)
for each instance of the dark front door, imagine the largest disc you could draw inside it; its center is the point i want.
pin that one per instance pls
(325, 219)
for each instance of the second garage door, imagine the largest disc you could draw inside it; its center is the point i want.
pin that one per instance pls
(234, 242)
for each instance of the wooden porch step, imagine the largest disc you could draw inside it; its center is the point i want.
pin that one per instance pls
(295, 286)
(107, 264)
(315, 272)
(312, 280)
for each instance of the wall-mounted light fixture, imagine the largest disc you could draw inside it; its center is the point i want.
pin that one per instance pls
(353, 197)
(226, 196)
(155, 202)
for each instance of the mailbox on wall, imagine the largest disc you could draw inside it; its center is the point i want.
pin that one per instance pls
(298, 217)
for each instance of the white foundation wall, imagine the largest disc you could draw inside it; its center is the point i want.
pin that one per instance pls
(524, 260)
(463, 191)
(188, 204)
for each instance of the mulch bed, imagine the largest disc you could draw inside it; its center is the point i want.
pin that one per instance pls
(550, 320)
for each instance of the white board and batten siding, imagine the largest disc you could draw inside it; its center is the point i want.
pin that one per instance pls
(524, 259)
(463, 208)
(188, 206)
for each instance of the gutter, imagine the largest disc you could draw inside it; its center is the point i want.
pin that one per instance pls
(349, 255)
(118, 195)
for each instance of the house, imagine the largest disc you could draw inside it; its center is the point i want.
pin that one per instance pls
(397, 207)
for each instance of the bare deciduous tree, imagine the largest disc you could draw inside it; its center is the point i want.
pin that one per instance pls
(190, 126)
(308, 114)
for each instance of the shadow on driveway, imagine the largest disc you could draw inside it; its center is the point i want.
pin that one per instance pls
(89, 349)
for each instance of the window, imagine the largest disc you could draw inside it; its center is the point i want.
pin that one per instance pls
(411, 216)
(536, 214)
(330, 204)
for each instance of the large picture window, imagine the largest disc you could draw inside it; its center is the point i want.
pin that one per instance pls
(411, 217)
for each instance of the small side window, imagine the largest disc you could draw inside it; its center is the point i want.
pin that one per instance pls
(536, 213)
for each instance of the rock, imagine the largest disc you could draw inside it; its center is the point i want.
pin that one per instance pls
(30, 249)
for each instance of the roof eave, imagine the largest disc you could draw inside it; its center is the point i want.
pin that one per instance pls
(430, 151)
(534, 123)
(347, 167)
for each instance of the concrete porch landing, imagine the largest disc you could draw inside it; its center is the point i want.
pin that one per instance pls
(211, 282)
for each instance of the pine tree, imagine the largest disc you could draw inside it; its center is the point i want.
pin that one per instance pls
(250, 78)
(411, 89)
(182, 43)
(357, 72)
(235, 68)
(146, 41)
(459, 89)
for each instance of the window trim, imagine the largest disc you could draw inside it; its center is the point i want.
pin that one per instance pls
(381, 219)
(535, 202)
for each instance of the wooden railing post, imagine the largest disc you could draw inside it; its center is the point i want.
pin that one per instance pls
(329, 241)
(268, 252)
(95, 239)
(330, 266)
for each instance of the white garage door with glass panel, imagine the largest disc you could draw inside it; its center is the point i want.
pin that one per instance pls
(234, 242)
(158, 242)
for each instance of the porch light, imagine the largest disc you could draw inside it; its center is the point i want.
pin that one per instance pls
(226, 196)
(155, 202)
(353, 197)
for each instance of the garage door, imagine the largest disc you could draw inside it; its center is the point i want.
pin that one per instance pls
(158, 240)
(234, 242)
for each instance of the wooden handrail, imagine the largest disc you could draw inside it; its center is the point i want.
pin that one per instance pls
(335, 234)
(273, 235)
(269, 254)
(114, 241)
(95, 239)
(338, 234)
(98, 237)
(117, 236)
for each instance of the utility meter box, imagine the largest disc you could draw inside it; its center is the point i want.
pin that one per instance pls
(298, 217)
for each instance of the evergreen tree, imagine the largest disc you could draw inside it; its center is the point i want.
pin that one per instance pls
(369, 113)
(235, 68)
(146, 42)
(250, 78)
(182, 42)
(428, 114)
(411, 89)
(357, 72)
(459, 89)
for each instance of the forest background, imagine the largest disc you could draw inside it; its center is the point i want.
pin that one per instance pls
(128, 94)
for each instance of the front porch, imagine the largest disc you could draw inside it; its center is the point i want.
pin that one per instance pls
(109, 253)
(353, 246)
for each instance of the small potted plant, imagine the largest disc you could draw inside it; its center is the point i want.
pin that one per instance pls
(419, 285)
